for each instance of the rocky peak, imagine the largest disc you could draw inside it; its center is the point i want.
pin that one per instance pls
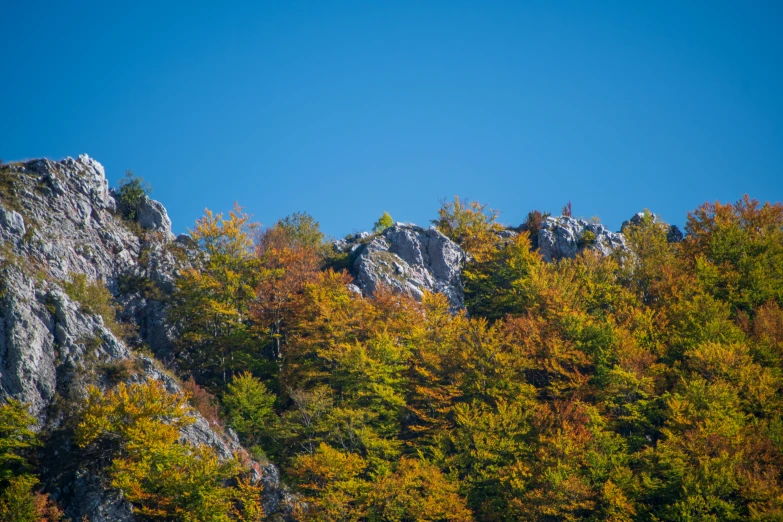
(409, 259)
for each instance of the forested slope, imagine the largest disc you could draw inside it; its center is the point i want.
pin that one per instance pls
(590, 375)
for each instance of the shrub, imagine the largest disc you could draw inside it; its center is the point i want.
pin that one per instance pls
(94, 298)
(532, 225)
(119, 371)
(130, 283)
(203, 402)
(131, 192)
(586, 239)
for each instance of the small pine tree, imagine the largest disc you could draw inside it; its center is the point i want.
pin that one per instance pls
(132, 190)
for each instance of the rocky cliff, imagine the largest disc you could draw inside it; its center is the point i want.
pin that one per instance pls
(60, 221)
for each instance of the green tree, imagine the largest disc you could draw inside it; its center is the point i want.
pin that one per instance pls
(384, 222)
(249, 409)
(131, 192)
(16, 439)
(502, 282)
(302, 229)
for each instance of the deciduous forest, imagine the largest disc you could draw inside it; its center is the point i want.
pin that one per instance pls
(646, 385)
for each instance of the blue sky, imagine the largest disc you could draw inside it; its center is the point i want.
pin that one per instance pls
(349, 109)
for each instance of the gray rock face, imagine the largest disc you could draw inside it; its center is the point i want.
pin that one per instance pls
(152, 215)
(61, 220)
(564, 237)
(409, 259)
(68, 216)
(12, 221)
(636, 219)
(44, 334)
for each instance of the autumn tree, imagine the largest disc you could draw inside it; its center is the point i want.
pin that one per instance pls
(213, 298)
(644, 385)
(164, 478)
(289, 255)
(470, 224)
(331, 483)
(416, 490)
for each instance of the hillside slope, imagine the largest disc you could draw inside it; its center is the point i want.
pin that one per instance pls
(59, 222)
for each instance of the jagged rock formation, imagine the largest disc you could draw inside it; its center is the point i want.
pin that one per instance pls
(409, 259)
(564, 237)
(58, 219)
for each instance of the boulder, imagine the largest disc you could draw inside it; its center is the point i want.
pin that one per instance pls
(674, 235)
(12, 221)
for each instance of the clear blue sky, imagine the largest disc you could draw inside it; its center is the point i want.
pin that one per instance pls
(347, 109)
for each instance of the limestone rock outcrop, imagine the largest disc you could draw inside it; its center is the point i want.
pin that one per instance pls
(564, 237)
(409, 259)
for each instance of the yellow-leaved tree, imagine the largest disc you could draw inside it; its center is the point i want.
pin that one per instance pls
(165, 479)
(213, 297)
(471, 225)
